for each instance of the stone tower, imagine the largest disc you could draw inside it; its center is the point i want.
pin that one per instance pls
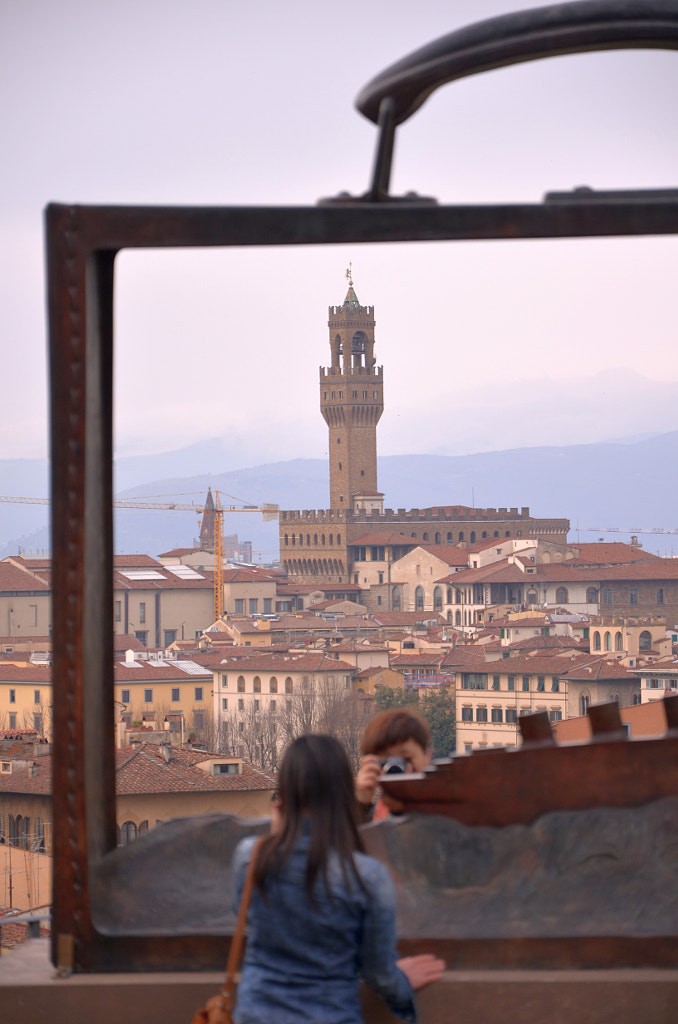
(351, 402)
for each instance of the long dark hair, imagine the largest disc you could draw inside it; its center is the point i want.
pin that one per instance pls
(315, 784)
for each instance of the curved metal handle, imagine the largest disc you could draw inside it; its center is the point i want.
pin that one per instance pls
(587, 25)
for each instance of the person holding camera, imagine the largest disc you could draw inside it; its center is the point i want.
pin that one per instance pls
(393, 741)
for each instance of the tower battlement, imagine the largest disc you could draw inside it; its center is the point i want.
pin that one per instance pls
(351, 372)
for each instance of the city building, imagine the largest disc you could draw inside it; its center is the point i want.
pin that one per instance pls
(320, 546)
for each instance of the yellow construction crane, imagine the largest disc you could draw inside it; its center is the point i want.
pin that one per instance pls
(268, 512)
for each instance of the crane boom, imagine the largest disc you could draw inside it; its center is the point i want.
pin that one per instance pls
(268, 511)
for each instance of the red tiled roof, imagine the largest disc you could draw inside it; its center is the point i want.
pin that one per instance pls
(13, 578)
(613, 553)
(10, 673)
(135, 562)
(144, 770)
(448, 553)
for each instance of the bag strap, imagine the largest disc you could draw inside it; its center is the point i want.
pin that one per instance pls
(238, 940)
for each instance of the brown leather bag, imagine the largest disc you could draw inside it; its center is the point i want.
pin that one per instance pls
(219, 1009)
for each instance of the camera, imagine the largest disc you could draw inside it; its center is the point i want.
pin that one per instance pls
(393, 766)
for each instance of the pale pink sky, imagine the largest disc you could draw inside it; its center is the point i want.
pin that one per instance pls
(484, 345)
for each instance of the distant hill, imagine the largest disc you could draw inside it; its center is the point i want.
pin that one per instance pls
(613, 484)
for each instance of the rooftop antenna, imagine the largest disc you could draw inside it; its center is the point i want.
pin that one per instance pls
(349, 274)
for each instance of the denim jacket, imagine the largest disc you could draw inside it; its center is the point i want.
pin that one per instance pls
(303, 965)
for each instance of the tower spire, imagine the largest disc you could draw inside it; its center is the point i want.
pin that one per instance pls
(352, 401)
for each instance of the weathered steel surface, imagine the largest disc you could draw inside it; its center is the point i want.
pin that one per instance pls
(574, 888)
(505, 787)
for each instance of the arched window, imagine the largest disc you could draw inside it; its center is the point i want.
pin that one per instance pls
(645, 641)
(331, 539)
(273, 685)
(322, 539)
(561, 595)
(287, 540)
(449, 615)
(256, 684)
(437, 538)
(584, 702)
(508, 533)
(596, 641)
(461, 536)
(473, 536)
(591, 595)
(143, 827)
(128, 832)
(419, 599)
(241, 684)
(484, 535)
(289, 685)
(449, 595)
(496, 533)
(338, 538)
(450, 537)
(395, 599)
(437, 599)
(301, 540)
(38, 836)
(457, 618)
(608, 641)
(425, 536)
(532, 597)
(618, 642)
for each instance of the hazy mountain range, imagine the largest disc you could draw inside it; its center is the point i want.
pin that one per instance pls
(628, 484)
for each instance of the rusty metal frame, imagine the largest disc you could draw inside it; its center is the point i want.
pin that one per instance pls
(82, 242)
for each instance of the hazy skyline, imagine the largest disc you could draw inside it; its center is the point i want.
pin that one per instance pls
(485, 345)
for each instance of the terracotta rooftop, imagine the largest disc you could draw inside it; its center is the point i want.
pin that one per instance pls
(144, 770)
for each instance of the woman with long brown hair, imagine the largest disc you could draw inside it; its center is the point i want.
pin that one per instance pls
(322, 913)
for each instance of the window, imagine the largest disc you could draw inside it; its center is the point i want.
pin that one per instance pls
(256, 705)
(118, 611)
(125, 697)
(511, 682)
(37, 721)
(148, 696)
(591, 595)
(241, 684)
(618, 642)
(481, 714)
(511, 716)
(12, 696)
(419, 599)
(561, 595)
(541, 684)
(12, 719)
(395, 599)
(170, 636)
(653, 684)
(633, 595)
(555, 685)
(273, 685)
(495, 682)
(607, 639)
(199, 721)
(256, 685)
(128, 833)
(526, 683)
(142, 611)
(473, 681)
(497, 716)
(584, 702)
(224, 681)
(268, 601)
(239, 606)
(197, 693)
(467, 714)
(224, 703)
(645, 641)
(607, 595)
(437, 599)
(659, 595)
(175, 696)
(241, 704)
(141, 635)
(555, 715)
(596, 641)
(304, 682)
(272, 707)
(254, 602)
(225, 769)
(289, 685)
